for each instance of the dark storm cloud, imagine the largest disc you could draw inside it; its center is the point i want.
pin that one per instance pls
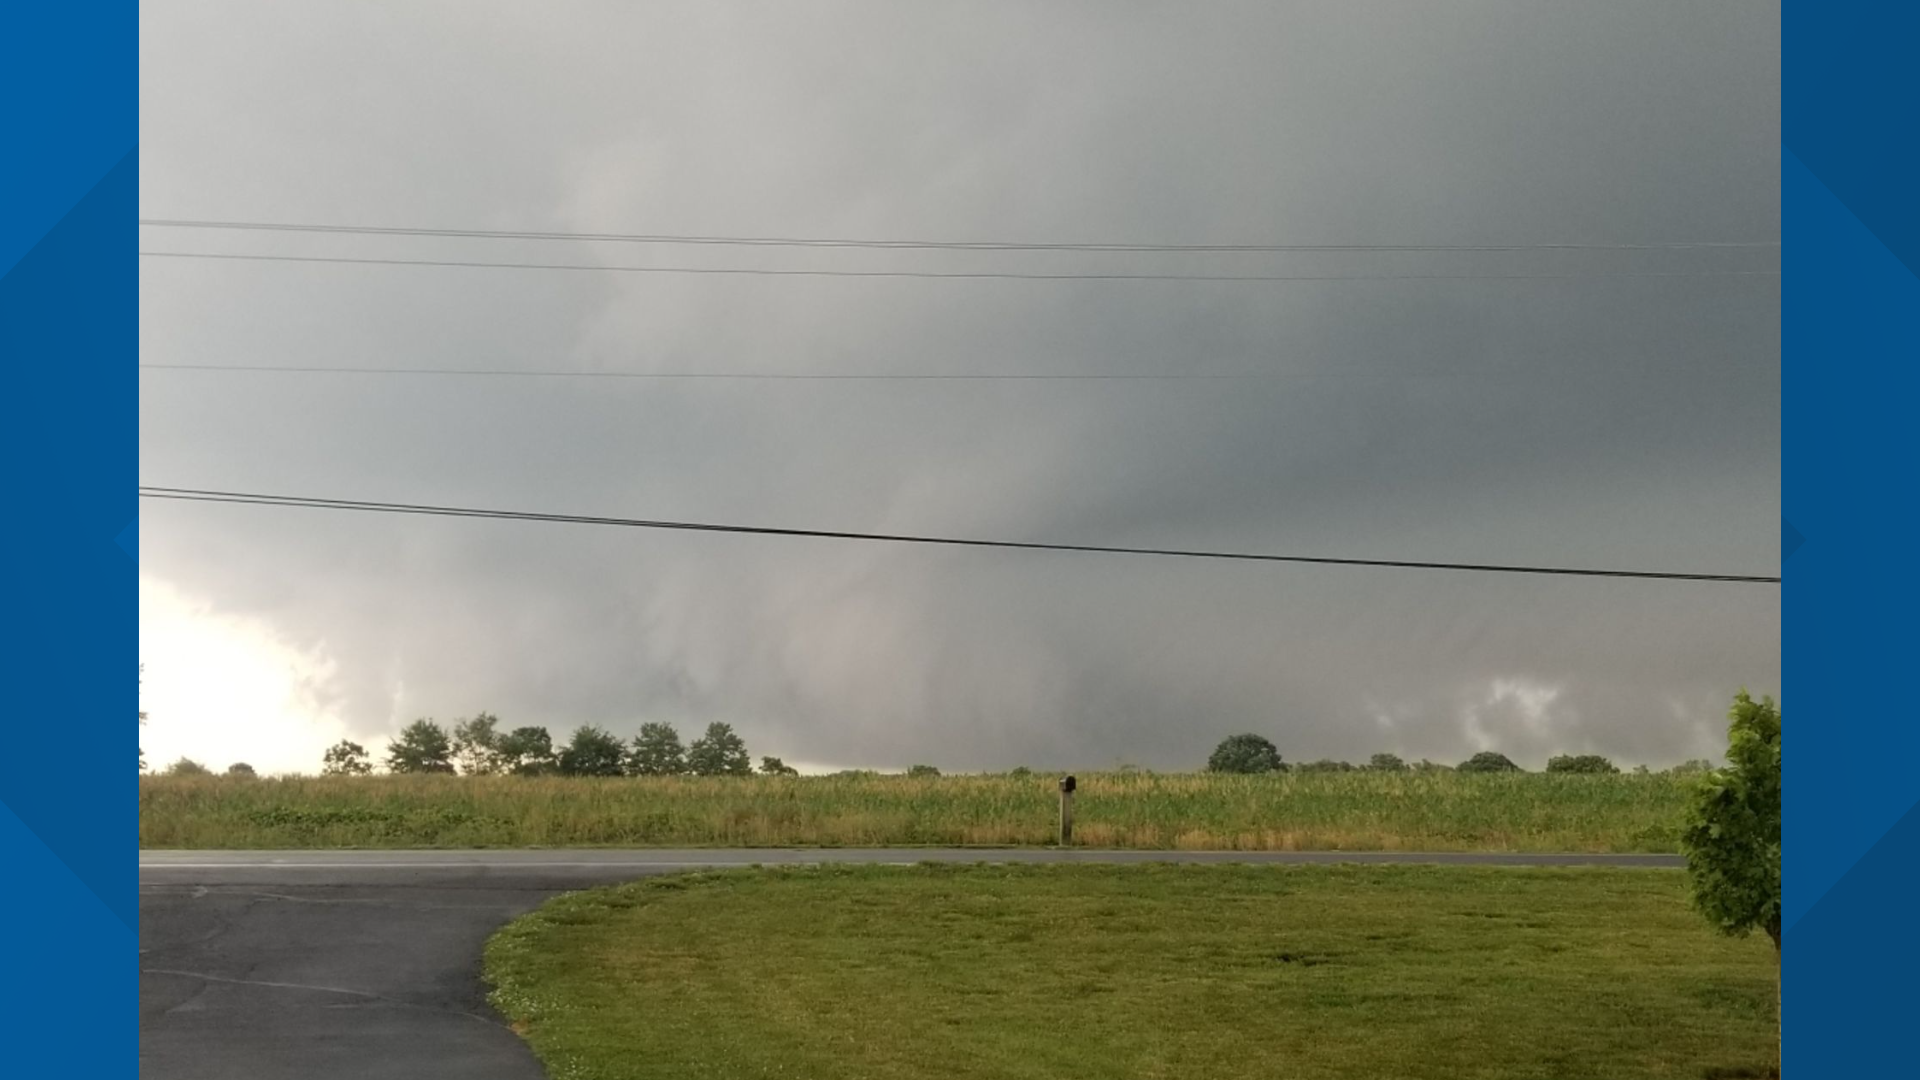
(1628, 423)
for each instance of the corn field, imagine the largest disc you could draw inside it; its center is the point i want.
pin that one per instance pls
(1358, 811)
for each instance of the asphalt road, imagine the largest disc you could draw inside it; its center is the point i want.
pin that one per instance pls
(276, 965)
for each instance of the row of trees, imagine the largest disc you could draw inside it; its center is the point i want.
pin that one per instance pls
(657, 752)
(478, 747)
(188, 767)
(1252, 754)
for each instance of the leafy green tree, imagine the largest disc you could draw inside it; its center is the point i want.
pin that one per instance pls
(1021, 772)
(593, 752)
(526, 751)
(1487, 761)
(422, 747)
(1693, 767)
(1245, 754)
(1581, 763)
(1386, 763)
(1324, 765)
(773, 766)
(1732, 834)
(476, 745)
(345, 758)
(719, 752)
(922, 771)
(657, 752)
(188, 767)
(242, 770)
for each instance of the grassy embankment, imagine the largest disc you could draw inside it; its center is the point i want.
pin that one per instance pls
(1349, 811)
(1105, 973)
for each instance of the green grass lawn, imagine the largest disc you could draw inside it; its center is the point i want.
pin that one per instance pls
(1108, 972)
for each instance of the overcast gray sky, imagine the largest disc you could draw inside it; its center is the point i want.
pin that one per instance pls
(1620, 422)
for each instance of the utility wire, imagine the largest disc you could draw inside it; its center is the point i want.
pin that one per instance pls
(934, 245)
(756, 376)
(1022, 276)
(255, 499)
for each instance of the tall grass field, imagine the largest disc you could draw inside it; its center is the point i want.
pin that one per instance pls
(1317, 811)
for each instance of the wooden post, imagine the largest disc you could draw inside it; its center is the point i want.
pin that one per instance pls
(1066, 812)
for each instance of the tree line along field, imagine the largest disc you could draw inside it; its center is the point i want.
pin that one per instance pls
(1345, 811)
(481, 747)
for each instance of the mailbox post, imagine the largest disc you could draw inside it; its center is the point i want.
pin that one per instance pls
(1066, 811)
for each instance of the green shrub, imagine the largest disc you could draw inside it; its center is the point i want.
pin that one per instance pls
(527, 751)
(657, 751)
(593, 752)
(476, 745)
(345, 758)
(719, 752)
(421, 747)
(1248, 753)
(1732, 834)
(1488, 761)
(1581, 763)
(416, 823)
(922, 771)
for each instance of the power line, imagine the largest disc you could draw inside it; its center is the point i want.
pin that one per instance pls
(934, 245)
(974, 274)
(845, 376)
(757, 376)
(255, 499)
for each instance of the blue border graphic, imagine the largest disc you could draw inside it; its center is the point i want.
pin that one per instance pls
(1850, 337)
(69, 292)
(68, 337)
